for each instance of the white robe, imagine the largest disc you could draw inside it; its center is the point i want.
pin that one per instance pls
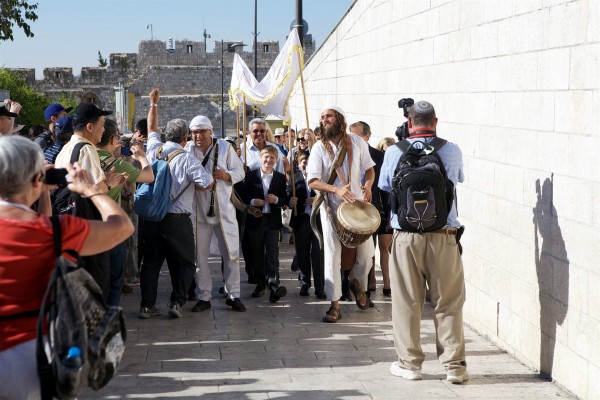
(227, 160)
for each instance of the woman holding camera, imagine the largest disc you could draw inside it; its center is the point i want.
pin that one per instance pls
(27, 255)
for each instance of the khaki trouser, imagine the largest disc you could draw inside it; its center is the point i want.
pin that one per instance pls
(431, 258)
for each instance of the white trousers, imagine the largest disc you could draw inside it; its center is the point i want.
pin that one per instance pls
(333, 258)
(231, 267)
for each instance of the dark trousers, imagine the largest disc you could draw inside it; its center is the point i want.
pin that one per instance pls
(264, 241)
(173, 239)
(310, 256)
(118, 256)
(98, 267)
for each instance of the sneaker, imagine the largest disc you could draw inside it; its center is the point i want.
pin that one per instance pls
(408, 374)
(236, 304)
(175, 310)
(148, 312)
(201, 305)
(457, 377)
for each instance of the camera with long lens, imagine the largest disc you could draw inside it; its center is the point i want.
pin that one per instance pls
(402, 130)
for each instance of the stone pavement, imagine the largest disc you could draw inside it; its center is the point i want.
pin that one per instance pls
(284, 351)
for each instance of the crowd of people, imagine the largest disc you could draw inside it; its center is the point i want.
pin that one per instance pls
(242, 198)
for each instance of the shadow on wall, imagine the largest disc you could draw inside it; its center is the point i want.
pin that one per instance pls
(552, 267)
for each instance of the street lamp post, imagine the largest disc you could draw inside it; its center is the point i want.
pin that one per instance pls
(231, 49)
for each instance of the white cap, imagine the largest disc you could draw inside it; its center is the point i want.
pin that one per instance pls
(335, 108)
(279, 132)
(200, 122)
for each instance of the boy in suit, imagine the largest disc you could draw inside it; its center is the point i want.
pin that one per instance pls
(265, 188)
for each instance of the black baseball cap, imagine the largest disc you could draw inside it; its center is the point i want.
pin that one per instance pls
(86, 112)
(4, 111)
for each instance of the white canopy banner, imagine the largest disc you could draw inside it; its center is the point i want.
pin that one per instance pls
(271, 95)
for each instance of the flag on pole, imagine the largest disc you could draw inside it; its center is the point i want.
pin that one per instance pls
(272, 93)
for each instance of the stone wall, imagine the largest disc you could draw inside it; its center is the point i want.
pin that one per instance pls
(516, 84)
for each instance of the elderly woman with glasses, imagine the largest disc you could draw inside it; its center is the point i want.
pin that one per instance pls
(27, 254)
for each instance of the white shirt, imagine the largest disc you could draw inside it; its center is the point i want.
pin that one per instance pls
(185, 169)
(319, 165)
(266, 182)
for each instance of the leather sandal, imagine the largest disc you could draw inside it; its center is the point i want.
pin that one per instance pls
(361, 298)
(332, 315)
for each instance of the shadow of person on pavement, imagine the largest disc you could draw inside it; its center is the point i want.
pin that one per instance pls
(552, 267)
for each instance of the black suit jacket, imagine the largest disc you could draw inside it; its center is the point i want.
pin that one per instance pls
(253, 189)
(302, 194)
(380, 198)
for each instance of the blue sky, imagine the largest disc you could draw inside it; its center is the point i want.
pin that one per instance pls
(69, 33)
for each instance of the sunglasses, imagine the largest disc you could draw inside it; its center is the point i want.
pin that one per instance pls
(301, 139)
(259, 131)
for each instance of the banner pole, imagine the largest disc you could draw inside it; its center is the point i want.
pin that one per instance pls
(291, 153)
(245, 131)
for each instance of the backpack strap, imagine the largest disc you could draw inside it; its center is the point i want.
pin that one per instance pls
(57, 235)
(107, 163)
(436, 143)
(76, 151)
(168, 159)
(44, 367)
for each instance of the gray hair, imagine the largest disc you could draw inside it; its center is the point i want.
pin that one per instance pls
(20, 160)
(256, 121)
(177, 130)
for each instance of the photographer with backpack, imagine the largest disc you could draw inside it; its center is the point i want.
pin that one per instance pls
(27, 252)
(420, 173)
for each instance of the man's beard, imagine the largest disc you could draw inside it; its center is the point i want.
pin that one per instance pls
(332, 131)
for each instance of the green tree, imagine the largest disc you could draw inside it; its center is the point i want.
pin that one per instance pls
(18, 12)
(68, 100)
(33, 102)
(101, 60)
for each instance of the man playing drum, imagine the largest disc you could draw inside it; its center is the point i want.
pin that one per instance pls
(324, 161)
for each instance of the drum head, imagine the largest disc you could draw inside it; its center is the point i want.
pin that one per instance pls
(359, 217)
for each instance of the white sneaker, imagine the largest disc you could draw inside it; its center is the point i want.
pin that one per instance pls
(457, 377)
(409, 374)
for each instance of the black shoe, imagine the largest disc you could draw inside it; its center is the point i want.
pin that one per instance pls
(201, 305)
(321, 295)
(236, 304)
(277, 292)
(251, 280)
(346, 297)
(304, 290)
(222, 290)
(259, 291)
(387, 292)
(371, 304)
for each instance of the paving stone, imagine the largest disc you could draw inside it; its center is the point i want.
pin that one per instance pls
(284, 351)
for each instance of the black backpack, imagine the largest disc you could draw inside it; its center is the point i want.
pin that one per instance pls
(78, 318)
(422, 194)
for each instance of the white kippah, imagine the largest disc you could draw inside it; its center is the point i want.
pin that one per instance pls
(334, 108)
(423, 107)
(200, 122)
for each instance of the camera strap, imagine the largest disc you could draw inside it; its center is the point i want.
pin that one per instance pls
(420, 133)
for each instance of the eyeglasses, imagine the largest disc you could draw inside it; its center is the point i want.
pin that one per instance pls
(259, 131)
(301, 139)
